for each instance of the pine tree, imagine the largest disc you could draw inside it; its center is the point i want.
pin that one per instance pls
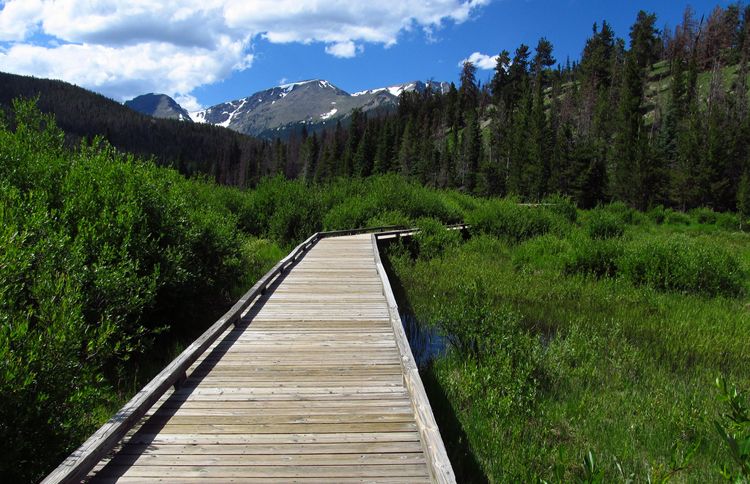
(644, 39)
(309, 157)
(468, 93)
(471, 144)
(365, 156)
(407, 155)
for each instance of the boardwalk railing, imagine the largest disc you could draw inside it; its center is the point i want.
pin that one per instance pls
(86, 457)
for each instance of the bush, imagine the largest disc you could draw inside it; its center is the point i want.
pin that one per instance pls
(704, 215)
(682, 264)
(562, 206)
(514, 222)
(595, 257)
(657, 214)
(603, 224)
(545, 252)
(625, 213)
(676, 218)
(728, 221)
(390, 218)
(433, 238)
(500, 360)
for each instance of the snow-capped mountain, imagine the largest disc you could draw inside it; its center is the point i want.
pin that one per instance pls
(314, 103)
(158, 106)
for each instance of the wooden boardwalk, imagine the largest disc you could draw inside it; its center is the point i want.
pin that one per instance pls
(313, 384)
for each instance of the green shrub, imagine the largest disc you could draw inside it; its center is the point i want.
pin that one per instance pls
(728, 221)
(258, 257)
(546, 252)
(657, 214)
(704, 215)
(676, 218)
(594, 257)
(509, 220)
(499, 358)
(433, 238)
(625, 213)
(682, 264)
(390, 218)
(603, 224)
(562, 206)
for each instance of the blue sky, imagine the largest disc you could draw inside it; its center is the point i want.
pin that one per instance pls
(203, 55)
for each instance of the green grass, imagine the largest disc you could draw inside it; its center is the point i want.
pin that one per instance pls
(598, 364)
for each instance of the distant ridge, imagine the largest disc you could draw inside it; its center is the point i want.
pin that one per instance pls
(314, 104)
(158, 106)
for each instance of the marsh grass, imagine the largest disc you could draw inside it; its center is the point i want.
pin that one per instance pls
(603, 376)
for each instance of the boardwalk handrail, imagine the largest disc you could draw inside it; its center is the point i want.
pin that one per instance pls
(76, 466)
(439, 465)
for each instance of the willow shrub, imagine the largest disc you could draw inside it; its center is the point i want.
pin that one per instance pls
(98, 251)
(683, 264)
(508, 220)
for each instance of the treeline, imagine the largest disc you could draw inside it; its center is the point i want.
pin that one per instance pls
(194, 149)
(664, 122)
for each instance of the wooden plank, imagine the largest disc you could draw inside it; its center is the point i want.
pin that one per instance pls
(270, 449)
(322, 438)
(332, 472)
(270, 480)
(275, 459)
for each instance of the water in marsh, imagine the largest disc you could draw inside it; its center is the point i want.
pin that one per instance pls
(426, 343)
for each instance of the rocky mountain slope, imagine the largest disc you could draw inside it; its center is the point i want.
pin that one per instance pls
(158, 106)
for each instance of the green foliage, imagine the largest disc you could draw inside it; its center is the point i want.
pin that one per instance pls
(508, 219)
(603, 224)
(433, 239)
(541, 253)
(657, 215)
(682, 264)
(676, 218)
(609, 368)
(594, 257)
(562, 206)
(99, 253)
(704, 215)
(733, 427)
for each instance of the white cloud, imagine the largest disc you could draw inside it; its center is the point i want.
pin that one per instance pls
(127, 47)
(189, 103)
(345, 50)
(481, 61)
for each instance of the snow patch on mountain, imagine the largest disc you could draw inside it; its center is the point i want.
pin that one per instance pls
(329, 113)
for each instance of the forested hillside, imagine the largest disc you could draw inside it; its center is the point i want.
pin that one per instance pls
(226, 156)
(663, 122)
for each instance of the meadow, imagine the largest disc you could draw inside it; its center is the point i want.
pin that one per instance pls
(585, 345)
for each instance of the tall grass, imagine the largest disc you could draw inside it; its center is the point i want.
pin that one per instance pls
(583, 354)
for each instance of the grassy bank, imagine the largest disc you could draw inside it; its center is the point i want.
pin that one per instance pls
(596, 332)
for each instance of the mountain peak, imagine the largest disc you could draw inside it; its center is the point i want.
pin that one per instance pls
(313, 103)
(158, 106)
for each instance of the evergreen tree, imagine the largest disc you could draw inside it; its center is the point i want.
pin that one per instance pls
(644, 39)
(471, 152)
(407, 156)
(309, 157)
(468, 93)
(364, 158)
